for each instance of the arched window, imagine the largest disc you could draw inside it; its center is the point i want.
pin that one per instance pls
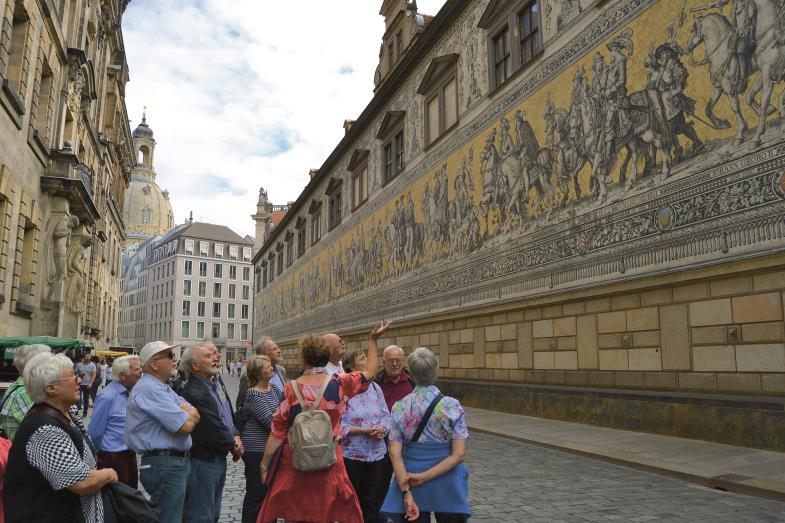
(147, 216)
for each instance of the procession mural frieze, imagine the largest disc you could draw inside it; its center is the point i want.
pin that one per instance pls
(639, 147)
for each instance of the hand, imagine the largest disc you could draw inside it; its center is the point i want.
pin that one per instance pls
(379, 329)
(377, 432)
(238, 450)
(112, 475)
(412, 510)
(416, 478)
(263, 472)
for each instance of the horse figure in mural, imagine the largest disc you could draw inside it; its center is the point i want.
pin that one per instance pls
(528, 166)
(495, 185)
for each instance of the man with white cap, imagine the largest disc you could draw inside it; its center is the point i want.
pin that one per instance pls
(158, 426)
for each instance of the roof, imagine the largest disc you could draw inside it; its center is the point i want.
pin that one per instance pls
(278, 217)
(206, 231)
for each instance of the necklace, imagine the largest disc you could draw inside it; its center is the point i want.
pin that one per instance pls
(314, 371)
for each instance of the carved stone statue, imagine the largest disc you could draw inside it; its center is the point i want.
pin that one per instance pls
(76, 275)
(61, 238)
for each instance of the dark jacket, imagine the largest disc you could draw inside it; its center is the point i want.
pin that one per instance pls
(279, 369)
(210, 438)
(380, 378)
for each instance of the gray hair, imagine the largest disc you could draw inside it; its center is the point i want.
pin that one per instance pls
(423, 366)
(391, 348)
(44, 369)
(262, 346)
(186, 361)
(122, 365)
(25, 353)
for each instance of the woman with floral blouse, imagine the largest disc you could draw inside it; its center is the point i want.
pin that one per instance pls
(428, 463)
(365, 423)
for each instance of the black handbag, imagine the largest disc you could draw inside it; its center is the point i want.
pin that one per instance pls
(123, 504)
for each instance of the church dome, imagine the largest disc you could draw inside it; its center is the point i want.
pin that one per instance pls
(147, 211)
(143, 130)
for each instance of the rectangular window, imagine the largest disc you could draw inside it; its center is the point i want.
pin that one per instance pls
(501, 56)
(186, 308)
(233, 252)
(230, 331)
(200, 329)
(43, 114)
(399, 151)
(219, 250)
(216, 290)
(433, 119)
(388, 162)
(316, 225)
(246, 292)
(200, 307)
(189, 267)
(189, 246)
(289, 250)
(399, 44)
(204, 248)
(216, 330)
(279, 263)
(203, 269)
(246, 274)
(244, 312)
(301, 242)
(530, 40)
(233, 272)
(360, 187)
(186, 287)
(18, 47)
(230, 311)
(218, 270)
(334, 209)
(185, 330)
(246, 254)
(216, 310)
(232, 291)
(450, 103)
(244, 331)
(202, 289)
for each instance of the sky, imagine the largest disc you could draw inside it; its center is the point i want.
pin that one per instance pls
(243, 94)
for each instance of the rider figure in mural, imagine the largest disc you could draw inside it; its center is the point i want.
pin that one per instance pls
(744, 22)
(617, 122)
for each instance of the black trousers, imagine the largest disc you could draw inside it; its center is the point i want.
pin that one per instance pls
(368, 480)
(254, 488)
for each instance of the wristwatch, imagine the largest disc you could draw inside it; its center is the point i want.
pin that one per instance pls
(405, 491)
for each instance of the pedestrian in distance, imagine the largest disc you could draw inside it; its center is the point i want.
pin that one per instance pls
(261, 402)
(213, 438)
(16, 401)
(265, 347)
(159, 423)
(365, 424)
(87, 373)
(51, 474)
(428, 437)
(102, 370)
(97, 381)
(107, 424)
(315, 495)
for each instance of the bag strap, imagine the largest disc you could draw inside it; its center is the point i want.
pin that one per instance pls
(8, 394)
(315, 405)
(427, 416)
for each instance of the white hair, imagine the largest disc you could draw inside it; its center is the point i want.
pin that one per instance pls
(423, 366)
(44, 369)
(186, 361)
(25, 352)
(122, 365)
(391, 348)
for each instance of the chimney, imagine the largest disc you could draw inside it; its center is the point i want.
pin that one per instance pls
(347, 125)
(313, 172)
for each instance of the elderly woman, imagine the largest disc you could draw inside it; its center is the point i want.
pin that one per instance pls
(325, 495)
(260, 403)
(365, 423)
(17, 401)
(427, 443)
(51, 474)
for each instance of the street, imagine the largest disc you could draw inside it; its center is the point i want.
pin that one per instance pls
(514, 482)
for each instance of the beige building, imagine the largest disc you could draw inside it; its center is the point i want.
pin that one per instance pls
(544, 193)
(64, 167)
(193, 283)
(132, 331)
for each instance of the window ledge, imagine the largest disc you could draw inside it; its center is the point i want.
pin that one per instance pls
(441, 137)
(528, 65)
(23, 309)
(38, 146)
(11, 102)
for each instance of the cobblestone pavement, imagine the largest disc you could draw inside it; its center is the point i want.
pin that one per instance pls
(516, 482)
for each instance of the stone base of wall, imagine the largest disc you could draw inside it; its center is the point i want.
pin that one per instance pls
(735, 420)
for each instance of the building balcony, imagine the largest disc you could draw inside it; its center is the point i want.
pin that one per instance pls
(71, 179)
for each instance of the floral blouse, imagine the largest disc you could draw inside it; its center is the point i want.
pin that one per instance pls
(341, 388)
(447, 422)
(366, 410)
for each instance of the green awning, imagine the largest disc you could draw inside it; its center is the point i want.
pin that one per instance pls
(57, 344)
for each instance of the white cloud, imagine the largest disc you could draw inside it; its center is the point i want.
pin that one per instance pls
(248, 93)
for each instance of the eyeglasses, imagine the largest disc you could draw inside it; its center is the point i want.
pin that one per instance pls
(169, 355)
(73, 378)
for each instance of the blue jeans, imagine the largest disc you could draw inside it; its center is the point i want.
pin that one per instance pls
(165, 478)
(205, 488)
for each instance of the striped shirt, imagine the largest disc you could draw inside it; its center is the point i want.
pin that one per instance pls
(259, 409)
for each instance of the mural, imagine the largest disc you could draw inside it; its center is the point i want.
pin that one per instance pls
(672, 94)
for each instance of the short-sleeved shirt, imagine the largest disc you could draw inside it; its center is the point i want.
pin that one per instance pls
(447, 422)
(107, 424)
(53, 453)
(154, 417)
(366, 410)
(341, 388)
(88, 369)
(15, 405)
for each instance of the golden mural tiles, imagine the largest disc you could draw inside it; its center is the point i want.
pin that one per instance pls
(671, 93)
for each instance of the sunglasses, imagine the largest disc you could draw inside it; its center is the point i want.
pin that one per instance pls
(169, 354)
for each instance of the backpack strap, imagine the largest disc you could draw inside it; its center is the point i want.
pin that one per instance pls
(315, 405)
(427, 416)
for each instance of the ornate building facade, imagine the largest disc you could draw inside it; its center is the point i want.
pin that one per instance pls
(65, 161)
(576, 205)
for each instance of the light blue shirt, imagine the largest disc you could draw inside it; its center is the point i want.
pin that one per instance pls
(276, 380)
(107, 424)
(154, 417)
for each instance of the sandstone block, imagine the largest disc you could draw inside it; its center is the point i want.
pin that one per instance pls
(769, 281)
(656, 297)
(515, 316)
(697, 381)
(761, 332)
(574, 308)
(609, 341)
(757, 307)
(509, 360)
(493, 333)
(614, 359)
(532, 314)
(566, 360)
(564, 326)
(499, 318)
(601, 379)
(467, 336)
(543, 344)
(525, 352)
(730, 287)
(696, 291)
(738, 382)
(598, 305)
(542, 329)
(467, 361)
(721, 358)
(626, 301)
(766, 357)
(479, 347)
(544, 360)
(587, 342)
(455, 360)
(773, 383)
(509, 331)
(493, 361)
(566, 343)
(661, 380)
(644, 319)
(517, 375)
(709, 335)
(646, 339)
(611, 322)
(628, 379)
(645, 359)
(711, 312)
(551, 311)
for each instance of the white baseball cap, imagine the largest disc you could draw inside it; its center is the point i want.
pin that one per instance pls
(151, 349)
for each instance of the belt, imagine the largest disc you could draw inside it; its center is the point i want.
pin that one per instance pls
(165, 452)
(118, 452)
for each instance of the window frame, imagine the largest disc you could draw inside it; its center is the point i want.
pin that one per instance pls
(393, 145)
(358, 167)
(442, 71)
(334, 195)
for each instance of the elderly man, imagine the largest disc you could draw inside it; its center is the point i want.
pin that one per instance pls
(86, 371)
(158, 426)
(107, 424)
(17, 401)
(213, 438)
(394, 380)
(337, 348)
(265, 347)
